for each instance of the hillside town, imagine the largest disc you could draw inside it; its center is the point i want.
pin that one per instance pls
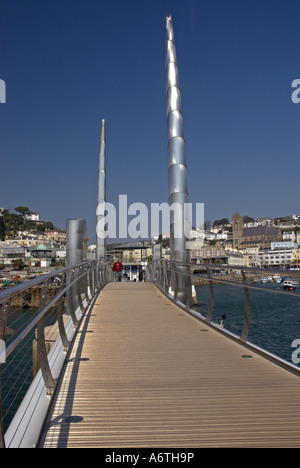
(30, 246)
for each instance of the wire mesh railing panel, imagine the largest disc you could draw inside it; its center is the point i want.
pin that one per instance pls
(256, 307)
(34, 317)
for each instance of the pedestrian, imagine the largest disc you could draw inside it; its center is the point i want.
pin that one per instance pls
(117, 269)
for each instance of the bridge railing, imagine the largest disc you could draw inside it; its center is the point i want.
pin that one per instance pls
(165, 274)
(37, 323)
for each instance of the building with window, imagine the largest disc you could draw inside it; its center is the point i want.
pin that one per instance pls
(32, 216)
(252, 237)
(280, 255)
(10, 252)
(133, 256)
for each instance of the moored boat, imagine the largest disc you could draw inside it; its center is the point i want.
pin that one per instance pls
(290, 284)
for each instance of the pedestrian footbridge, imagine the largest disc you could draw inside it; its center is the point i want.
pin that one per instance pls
(131, 366)
(145, 373)
(91, 363)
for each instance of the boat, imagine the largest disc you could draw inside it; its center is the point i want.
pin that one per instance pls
(290, 284)
(263, 280)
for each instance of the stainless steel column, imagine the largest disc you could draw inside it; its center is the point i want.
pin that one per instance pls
(178, 190)
(76, 253)
(101, 239)
(76, 241)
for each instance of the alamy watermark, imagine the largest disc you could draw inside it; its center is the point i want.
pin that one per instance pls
(296, 94)
(2, 92)
(296, 353)
(136, 222)
(2, 352)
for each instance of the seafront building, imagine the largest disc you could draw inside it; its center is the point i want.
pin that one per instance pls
(259, 243)
(281, 254)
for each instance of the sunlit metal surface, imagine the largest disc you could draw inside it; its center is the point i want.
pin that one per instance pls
(176, 151)
(178, 189)
(175, 124)
(76, 241)
(101, 240)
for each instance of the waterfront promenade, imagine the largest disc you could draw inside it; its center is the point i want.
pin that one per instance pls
(144, 373)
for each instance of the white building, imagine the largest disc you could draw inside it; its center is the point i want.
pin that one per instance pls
(281, 255)
(284, 245)
(31, 216)
(197, 237)
(10, 252)
(289, 236)
(219, 236)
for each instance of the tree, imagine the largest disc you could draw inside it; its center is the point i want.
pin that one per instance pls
(22, 209)
(2, 229)
(46, 225)
(247, 219)
(18, 264)
(219, 222)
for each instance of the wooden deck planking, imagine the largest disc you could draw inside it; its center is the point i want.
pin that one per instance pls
(143, 373)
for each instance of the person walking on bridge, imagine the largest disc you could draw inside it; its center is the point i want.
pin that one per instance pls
(117, 269)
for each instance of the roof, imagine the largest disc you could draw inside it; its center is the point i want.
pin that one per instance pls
(42, 247)
(252, 242)
(261, 231)
(137, 245)
(230, 253)
(12, 250)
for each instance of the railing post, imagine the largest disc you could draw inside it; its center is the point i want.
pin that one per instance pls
(4, 311)
(101, 274)
(168, 276)
(175, 281)
(79, 291)
(92, 278)
(86, 281)
(60, 309)
(189, 297)
(50, 382)
(97, 273)
(163, 276)
(71, 303)
(245, 332)
(2, 439)
(211, 297)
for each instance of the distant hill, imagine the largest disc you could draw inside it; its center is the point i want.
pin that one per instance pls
(11, 223)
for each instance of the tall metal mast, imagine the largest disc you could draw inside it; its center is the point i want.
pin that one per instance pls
(177, 171)
(101, 240)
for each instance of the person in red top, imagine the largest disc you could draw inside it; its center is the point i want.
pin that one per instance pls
(117, 269)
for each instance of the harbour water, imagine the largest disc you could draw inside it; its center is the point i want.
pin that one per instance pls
(17, 371)
(275, 318)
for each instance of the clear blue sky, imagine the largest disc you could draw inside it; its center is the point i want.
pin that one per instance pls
(68, 64)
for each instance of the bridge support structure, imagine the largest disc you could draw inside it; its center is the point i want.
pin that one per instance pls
(101, 239)
(177, 170)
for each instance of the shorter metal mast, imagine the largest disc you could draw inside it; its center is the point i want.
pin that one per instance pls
(101, 239)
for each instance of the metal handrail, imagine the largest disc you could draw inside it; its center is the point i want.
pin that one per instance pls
(173, 267)
(13, 291)
(12, 346)
(164, 274)
(79, 284)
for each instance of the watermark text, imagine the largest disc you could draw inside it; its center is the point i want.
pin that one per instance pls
(2, 352)
(296, 353)
(296, 93)
(2, 92)
(135, 221)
